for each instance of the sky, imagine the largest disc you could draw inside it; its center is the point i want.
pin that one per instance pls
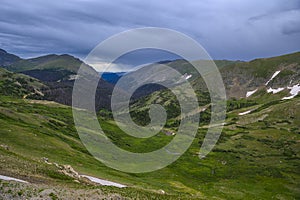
(227, 29)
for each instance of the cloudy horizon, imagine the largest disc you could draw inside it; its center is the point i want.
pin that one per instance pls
(227, 29)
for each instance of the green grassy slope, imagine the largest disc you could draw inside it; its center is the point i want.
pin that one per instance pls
(32, 130)
(256, 157)
(19, 85)
(265, 67)
(52, 61)
(7, 58)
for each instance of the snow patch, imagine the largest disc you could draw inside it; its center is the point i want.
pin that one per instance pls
(248, 94)
(273, 76)
(103, 182)
(294, 91)
(274, 91)
(73, 77)
(7, 178)
(289, 97)
(188, 77)
(245, 113)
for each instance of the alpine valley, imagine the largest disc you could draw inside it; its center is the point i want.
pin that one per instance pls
(256, 157)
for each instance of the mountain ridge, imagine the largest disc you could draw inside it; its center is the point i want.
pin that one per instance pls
(58, 73)
(241, 78)
(256, 157)
(7, 58)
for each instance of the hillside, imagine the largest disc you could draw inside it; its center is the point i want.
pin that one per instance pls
(255, 81)
(20, 85)
(240, 78)
(50, 68)
(7, 59)
(57, 73)
(256, 157)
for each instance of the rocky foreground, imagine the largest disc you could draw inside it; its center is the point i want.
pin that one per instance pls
(16, 190)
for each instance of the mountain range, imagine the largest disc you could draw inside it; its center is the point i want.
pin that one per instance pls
(256, 157)
(57, 73)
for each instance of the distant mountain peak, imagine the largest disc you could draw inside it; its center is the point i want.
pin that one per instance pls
(3, 51)
(7, 58)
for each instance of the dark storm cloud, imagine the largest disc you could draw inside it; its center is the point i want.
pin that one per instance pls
(292, 27)
(230, 29)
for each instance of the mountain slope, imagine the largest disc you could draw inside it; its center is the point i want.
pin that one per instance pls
(7, 59)
(20, 85)
(258, 81)
(242, 77)
(58, 73)
(248, 76)
(256, 157)
(50, 67)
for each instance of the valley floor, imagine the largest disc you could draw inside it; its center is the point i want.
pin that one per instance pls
(257, 157)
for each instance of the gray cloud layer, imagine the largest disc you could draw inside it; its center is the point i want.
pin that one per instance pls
(228, 29)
